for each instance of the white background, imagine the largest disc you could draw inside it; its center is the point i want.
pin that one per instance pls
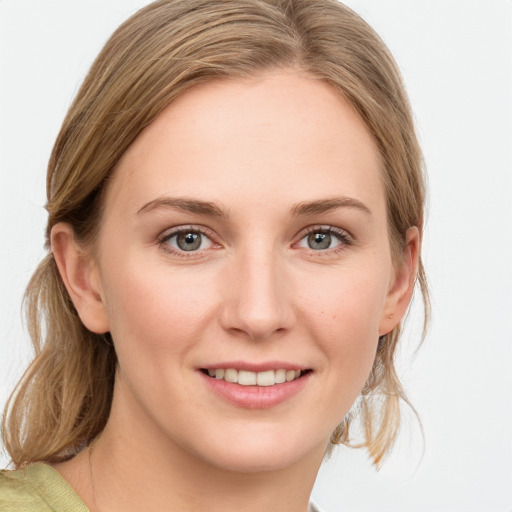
(456, 58)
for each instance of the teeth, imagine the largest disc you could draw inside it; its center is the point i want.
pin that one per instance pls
(280, 376)
(266, 378)
(245, 378)
(231, 375)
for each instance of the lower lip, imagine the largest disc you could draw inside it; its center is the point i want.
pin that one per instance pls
(256, 397)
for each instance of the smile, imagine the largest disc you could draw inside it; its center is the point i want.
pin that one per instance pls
(248, 378)
(255, 386)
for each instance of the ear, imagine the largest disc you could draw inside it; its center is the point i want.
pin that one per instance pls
(401, 290)
(81, 278)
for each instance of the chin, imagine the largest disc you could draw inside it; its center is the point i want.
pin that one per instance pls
(262, 452)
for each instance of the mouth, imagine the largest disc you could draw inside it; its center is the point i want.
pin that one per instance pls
(247, 378)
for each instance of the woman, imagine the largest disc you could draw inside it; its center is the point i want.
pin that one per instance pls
(235, 210)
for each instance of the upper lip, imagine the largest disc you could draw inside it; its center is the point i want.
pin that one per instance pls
(255, 367)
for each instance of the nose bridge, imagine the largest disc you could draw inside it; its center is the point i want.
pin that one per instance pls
(259, 303)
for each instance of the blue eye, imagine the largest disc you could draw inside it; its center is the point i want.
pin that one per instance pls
(320, 241)
(323, 239)
(188, 240)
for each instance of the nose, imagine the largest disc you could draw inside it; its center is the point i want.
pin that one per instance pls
(257, 301)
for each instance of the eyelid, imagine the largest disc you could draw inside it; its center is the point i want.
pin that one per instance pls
(169, 233)
(344, 236)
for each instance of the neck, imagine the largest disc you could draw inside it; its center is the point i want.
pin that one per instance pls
(135, 467)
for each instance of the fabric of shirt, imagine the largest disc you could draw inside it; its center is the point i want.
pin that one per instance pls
(39, 488)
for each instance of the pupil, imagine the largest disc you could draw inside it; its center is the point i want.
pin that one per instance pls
(319, 241)
(189, 241)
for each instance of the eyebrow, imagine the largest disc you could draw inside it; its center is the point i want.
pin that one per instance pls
(326, 205)
(199, 207)
(185, 204)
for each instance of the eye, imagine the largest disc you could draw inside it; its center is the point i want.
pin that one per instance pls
(323, 239)
(187, 240)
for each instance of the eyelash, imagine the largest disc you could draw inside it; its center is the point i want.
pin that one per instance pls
(341, 235)
(164, 239)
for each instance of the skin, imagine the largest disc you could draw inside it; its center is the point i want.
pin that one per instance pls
(255, 291)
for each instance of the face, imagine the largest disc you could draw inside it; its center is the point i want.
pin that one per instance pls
(244, 271)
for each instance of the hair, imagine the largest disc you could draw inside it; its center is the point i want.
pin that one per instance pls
(63, 400)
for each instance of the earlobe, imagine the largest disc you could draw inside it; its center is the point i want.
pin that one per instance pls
(400, 294)
(81, 278)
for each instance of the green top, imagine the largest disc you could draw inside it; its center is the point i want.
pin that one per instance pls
(37, 488)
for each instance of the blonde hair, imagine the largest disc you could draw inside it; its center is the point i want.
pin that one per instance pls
(63, 401)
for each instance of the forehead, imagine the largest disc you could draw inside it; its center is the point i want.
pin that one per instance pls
(229, 139)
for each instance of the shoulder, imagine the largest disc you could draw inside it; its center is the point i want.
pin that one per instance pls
(37, 487)
(17, 493)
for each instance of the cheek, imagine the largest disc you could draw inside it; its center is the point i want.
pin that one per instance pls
(150, 307)
(349, 346)
(343, 315)
(346, 306)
